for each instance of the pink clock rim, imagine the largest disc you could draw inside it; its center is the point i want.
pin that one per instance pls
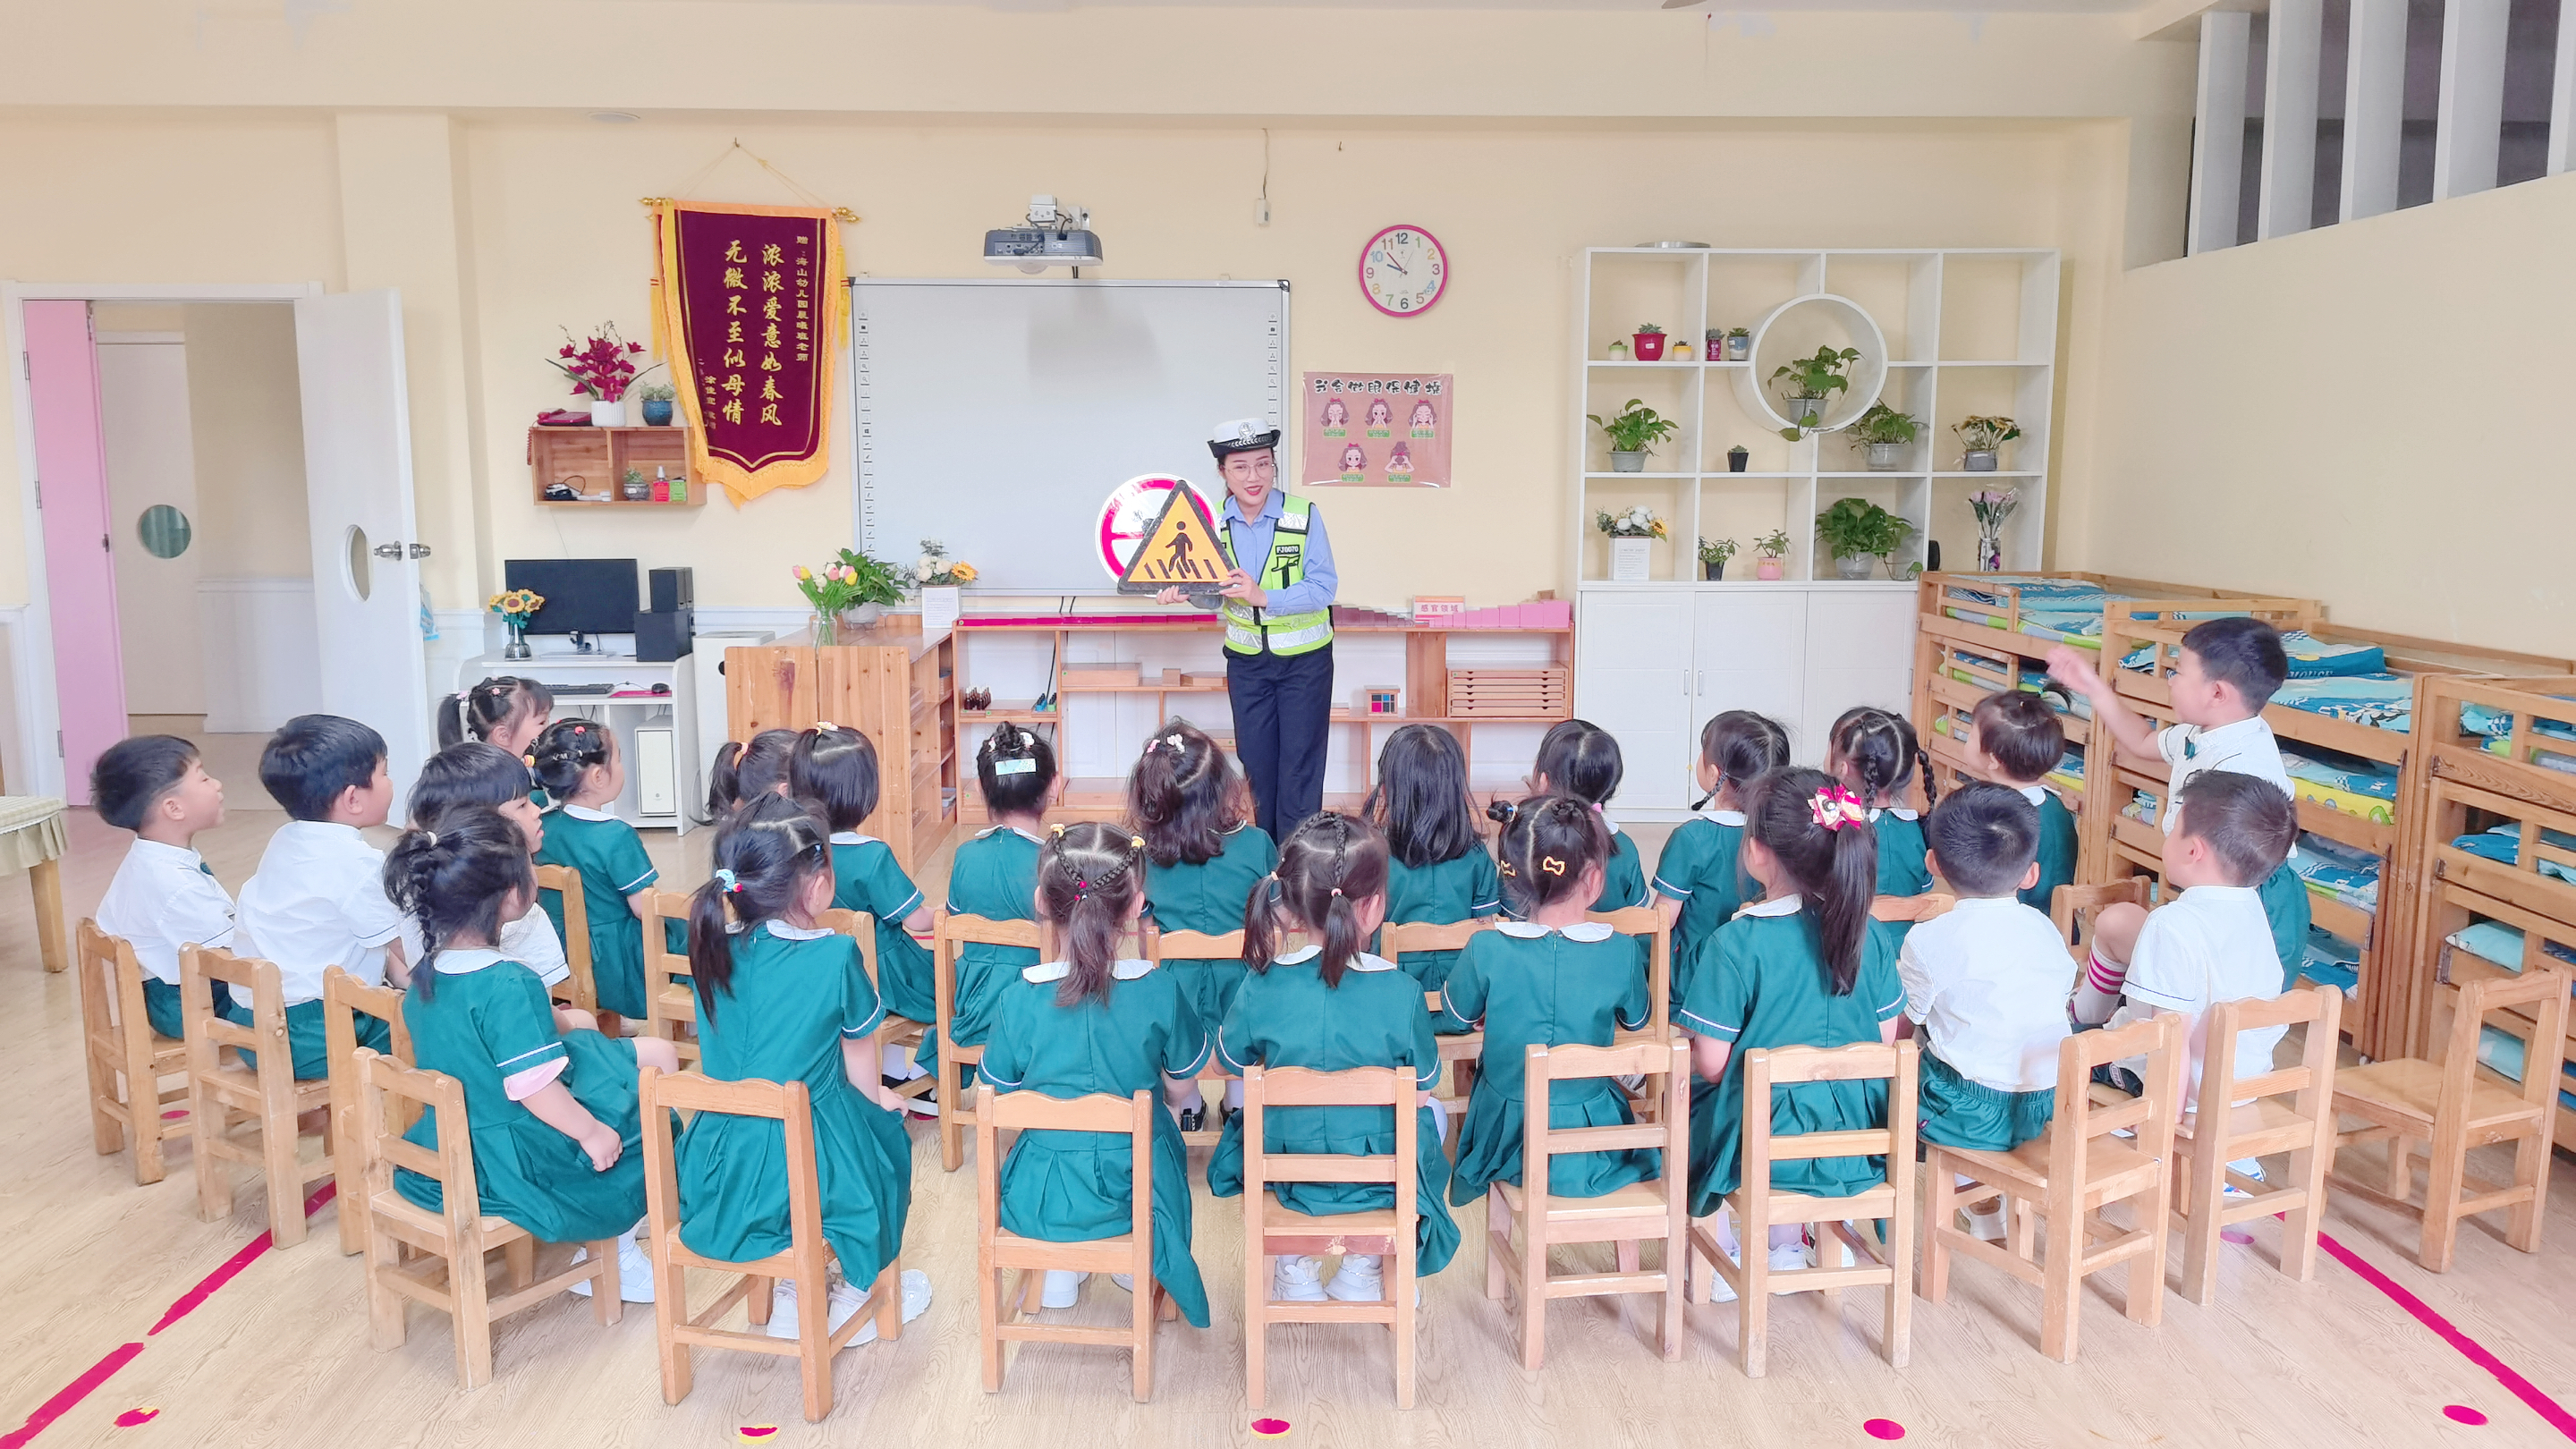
(1448, 273)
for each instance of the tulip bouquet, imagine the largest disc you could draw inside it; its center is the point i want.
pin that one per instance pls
(1993, 508)
(852, 580)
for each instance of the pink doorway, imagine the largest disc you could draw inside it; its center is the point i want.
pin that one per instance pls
(80, 576)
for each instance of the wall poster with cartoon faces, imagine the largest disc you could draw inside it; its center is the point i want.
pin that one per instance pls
(1378, 429)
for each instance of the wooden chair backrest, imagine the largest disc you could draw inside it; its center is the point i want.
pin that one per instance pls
(344, 996)
(859, 926)
(2071, 907)
(1194, 945)
(1647, 924)
(2150, 1115)
(1359, 1087)
(2312, 1080)
(1395, 938)
(1669, 1059)
(391, 1097)
(999, 1112)
(2540, 991)
(948, 933)
(1767, 1067)
(253, 980)
(110, 975)
(566, 882)
(659, 960)
(791, 1104)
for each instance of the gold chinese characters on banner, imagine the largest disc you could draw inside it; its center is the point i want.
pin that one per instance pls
(750, 308)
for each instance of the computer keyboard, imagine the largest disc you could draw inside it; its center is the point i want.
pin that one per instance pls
(559, 691)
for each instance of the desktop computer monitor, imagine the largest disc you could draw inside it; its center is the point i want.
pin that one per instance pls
(586, 596)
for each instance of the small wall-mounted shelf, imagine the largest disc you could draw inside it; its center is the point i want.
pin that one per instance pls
(592, 460)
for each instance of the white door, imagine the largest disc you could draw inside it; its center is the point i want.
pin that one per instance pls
(152, 464)
(1860, 650)
(1633, 678)
(366, 559)
(1749, 651)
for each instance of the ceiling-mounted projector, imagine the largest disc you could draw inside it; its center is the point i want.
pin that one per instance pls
(1054, 237)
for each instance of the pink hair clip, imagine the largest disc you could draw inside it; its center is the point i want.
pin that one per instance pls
(1835, 807)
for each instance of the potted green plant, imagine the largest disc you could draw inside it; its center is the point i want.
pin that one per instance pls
(658, 397)
(1737, 458)
(1807, 387)
(1739, 344)
(1769, 549)
(1633, 431)
(1982, 440)
(1632, 541)
(1855, 531)
(634, 487)
(871, 585)
(1883, 434)
(1650, 342)
(1619, 351)
(1713, 557)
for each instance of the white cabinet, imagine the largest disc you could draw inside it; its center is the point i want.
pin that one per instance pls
(1653, 665)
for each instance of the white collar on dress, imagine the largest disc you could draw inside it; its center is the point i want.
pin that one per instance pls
(852, 837)
(1734, 819)
(786, 932)
(2035, 794)
(585, 812)
(1785, 906)
(1013, 829)
(1304, 954)
(458, 962)
(1584, 931)
(1046, 971)
(1899, 811)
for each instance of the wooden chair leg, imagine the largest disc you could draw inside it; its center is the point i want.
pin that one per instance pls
(519, 1262)
(384, 1306)
(2299, 1227)
(1498, 1236)
(1940, 1200)
(2530, 1173)
(1144, 1303)
(2445, 1168)
(952, 1123)
(1401, 1286)
(2204, 1174)
(277, 1142)
(45, 882)
(813, 1335)
(988, 1318)
(607, 1292)
(889, 1304)
(1753, 1297)
(1533, 1289)
(2062, 1279)
(108, 1125)
(1257, 1265)
(2146, 1304)
(214, 1176)
(469, 1299)
(143, 1114)
(670, 1310)
(1897, 1235)
(2401, 1167)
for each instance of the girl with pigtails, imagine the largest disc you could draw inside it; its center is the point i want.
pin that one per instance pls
(1331, 1007)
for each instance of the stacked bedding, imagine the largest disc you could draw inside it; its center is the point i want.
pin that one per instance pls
(2380, 700)
(2363, 788)
(2337, 872)
(2068, 777)
(2315, 658)
(2496, 942)
(2497, 726)
(2330, 960)
(2505, 1054)
(2064, 611)
(2503, 845)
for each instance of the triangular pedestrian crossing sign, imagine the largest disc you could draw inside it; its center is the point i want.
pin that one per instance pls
(1179, 551)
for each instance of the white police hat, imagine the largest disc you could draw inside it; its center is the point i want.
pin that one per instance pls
(1243, 435)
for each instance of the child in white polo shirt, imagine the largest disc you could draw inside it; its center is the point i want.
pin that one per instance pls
(318, 898)
(1986, 983)
(163, 897)
(2230, 669)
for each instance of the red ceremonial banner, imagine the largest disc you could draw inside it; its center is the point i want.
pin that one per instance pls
(751, 308)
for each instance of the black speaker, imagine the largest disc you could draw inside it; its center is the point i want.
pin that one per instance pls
(673, 591)
(664, 634)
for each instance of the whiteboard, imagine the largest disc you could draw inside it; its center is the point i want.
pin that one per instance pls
(997, 414)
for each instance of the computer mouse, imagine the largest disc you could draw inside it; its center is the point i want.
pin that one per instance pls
(661, 689)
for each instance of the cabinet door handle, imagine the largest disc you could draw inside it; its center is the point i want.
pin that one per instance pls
(1703, 681)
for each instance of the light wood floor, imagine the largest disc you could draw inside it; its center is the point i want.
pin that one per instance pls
(280, 1355)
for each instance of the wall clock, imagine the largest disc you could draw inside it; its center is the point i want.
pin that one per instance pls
(1403, 271)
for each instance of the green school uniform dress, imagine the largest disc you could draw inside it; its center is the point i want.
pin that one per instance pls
(2056, 846)
(794, 997)
(1901, 871)
(1287, 1017)
(1209, 897)
(1076, 1187)
(610, 856)
(489, 1025)
(1623, 878)
(1760, 983)
(866, 877)
(1699, 868)
(1528, 985)
(995, 875)
(1441, 894)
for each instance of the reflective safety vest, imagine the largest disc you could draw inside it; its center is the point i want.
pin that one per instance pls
(1247, 629)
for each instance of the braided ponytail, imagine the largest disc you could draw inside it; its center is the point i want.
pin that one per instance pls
(1328, 867)
(453, 881)
(1090, 879)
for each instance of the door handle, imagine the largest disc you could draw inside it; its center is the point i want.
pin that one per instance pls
(420, 550)
(388, 550)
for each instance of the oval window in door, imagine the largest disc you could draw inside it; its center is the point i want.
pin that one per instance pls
(164, 531)
(359, 582)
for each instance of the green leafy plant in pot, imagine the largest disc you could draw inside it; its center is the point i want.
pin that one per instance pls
(1633, 431)
(1713, 555)
(1808, 387)
(657, 398)
(1855, 531)
(1981, 441)
(1768, 550)
(1883, 434)
(1650, 342)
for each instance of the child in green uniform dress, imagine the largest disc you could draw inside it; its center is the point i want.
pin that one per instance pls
(578, 765)
(1438, 872)
(1092, 1024)
(747, 772)
(1203, 854)
(783, 1000)
(2015, 739)
(505, 712)
(1698, 881)
(473, 774)
(995, 876)
(557, 1136)
(1873, 753)
(1581, 759)
(1331, 1008)
(1547, 978)
(1799, 968)
(836, 769)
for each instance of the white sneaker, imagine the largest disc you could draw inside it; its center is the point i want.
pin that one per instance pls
(1298, 1280)
(1987, 1225)
(1063, 1289)
(1790, 1258)
(634, 1272)
(1360, 1280)
(1719, 1290)
(2245, 1167)
(1124, 1280)
(847, 1300)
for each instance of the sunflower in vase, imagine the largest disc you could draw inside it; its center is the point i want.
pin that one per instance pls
(517, 608)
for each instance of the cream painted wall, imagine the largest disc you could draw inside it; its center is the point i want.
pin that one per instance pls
(248, 421)
(2358, 414)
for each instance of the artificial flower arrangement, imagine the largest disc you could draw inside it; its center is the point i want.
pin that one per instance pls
(851, 580)
(516, 608)
(1993, 508)
(600, 366)
(1637, 522)
(937, 570)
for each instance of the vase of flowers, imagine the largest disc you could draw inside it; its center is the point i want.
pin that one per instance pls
(602, 367)
(1632, 542)
(1981, 441)
(517, 608)
(1993, 507)
(942, 581)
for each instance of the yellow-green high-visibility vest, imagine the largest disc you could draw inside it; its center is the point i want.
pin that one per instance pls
(1247, 629)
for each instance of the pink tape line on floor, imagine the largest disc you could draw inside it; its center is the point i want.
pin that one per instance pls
(2443, 1329)
(187, 1303)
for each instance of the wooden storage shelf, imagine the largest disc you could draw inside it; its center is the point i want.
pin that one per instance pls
(592, 459)
(892, 684)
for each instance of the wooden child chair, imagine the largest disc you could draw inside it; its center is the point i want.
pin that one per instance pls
(2444, 1108)
(671, 1006)
(1161, 946)
(437, 1258)
(1645, 923)
(948, 933)
(806, 1263)
(1271, 1229)
(901, 1032)
(578, 989)
(1458, 1054)
(344, 999)
(2067, 1177)
(1651, 1211)
(222, 1093)
(1760, 1207)
(1004, 1315)
(2218, 1134)
(2074, 908)
(127, 1059)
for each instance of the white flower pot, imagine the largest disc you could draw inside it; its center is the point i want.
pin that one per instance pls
(1854, 567)
(1629, 559)
(607, 414)
(1627, 462)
